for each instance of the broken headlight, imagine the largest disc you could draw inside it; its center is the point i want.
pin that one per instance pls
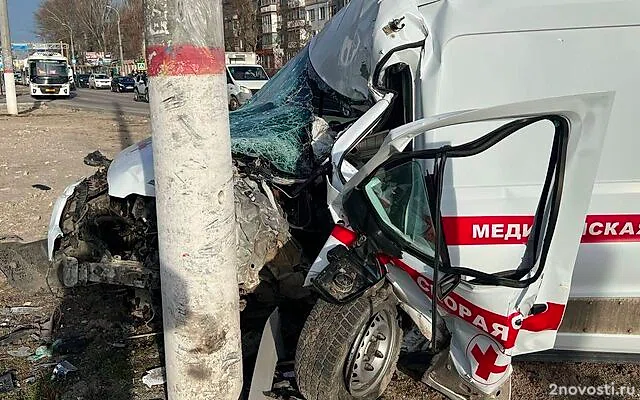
(347, 276)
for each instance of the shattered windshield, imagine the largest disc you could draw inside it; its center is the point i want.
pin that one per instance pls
(292, 121)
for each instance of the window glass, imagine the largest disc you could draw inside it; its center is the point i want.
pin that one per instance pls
(399, 196)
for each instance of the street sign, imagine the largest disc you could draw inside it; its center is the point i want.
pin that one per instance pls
(19, 46)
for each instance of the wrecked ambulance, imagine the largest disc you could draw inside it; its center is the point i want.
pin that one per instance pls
(363, 139)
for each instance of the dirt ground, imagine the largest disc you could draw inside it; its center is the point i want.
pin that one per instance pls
(41, 152)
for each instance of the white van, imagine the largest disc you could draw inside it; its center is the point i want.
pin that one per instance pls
(250, 76)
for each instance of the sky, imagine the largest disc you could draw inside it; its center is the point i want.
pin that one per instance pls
(21, 20)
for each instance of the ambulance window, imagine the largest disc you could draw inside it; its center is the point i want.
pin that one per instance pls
(501, 187)
(399, 196)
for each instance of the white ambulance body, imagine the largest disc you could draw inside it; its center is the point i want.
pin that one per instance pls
(484, 54)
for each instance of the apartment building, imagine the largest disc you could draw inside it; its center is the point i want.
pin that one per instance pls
(270, 21)
(318, 14)
(285, 27)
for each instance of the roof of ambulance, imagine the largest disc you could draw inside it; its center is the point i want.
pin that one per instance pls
(458, 17)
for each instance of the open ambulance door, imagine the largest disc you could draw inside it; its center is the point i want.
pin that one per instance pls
(490, 314)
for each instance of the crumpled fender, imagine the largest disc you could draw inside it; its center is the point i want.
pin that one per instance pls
(55, 231)
(131, 172)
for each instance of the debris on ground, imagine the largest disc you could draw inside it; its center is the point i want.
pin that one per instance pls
(20, 352)
(96, 159)
(20, 310)
(6, 382)
(62, 369)
(41, 352)
(154, 377)
(284, 383)
(40, 186)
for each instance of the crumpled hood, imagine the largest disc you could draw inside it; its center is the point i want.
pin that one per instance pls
(347, 50)
(131, 172)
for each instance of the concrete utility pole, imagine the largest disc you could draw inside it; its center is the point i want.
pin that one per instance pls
(194, 199)
(7, 60)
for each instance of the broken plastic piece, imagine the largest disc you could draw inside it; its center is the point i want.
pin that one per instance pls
(154, 377)
(62, 369)
(20, 352)
(96, 159)
(40, 353)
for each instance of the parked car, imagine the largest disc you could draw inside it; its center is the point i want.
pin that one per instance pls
(250, 76)
(122, 84)
(82, 80)
(141, 89)
(99, 81)
(237, 94)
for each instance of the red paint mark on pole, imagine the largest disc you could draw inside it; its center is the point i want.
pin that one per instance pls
(184, 60)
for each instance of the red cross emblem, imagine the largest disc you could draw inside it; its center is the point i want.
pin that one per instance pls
(487, 362)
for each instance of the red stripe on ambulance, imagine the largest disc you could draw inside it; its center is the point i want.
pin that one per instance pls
(504, 329)
(515, 229)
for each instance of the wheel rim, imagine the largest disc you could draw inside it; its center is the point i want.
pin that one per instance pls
(370, 355)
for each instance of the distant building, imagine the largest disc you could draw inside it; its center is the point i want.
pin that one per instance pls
(268, 43)
(318, 14)
(336, 5)
(232, 41)
(237, 13)
(294, 32)
(284, 27)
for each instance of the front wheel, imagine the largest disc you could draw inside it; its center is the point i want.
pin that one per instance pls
(348, 351)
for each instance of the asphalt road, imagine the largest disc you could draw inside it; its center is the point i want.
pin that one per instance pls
(104, 100)
(88, 99)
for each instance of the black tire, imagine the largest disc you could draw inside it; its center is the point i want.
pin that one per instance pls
(234, 104)
(326, 349)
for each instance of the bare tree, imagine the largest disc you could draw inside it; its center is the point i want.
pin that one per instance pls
(247, 20)
(93, 16)
(132, 23)
(241, 25)
(52, 19)
(94, 27)
(88, 19)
